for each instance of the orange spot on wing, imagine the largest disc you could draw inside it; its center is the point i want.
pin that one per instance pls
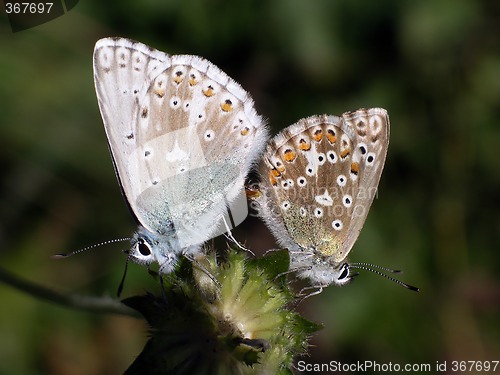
(289, 155)
(227, 105)
(273, 173)
(330, 135)
(252, 193)
(160, 93)
(209, 91)
(178, 77)
(345, 152)
(354, 168)
(318, 135)
(245, 131)
(304, 146)
(192, 80)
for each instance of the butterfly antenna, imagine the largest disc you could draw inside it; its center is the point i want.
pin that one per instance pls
(372, 268)
(67, 255)
(361, 264)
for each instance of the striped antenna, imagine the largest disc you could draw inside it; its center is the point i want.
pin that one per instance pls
(375, 269)
(67, 255)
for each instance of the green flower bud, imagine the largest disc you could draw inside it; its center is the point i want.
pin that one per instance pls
(223, 317)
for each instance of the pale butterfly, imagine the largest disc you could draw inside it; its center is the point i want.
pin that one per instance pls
(183, 137)
(319, 177)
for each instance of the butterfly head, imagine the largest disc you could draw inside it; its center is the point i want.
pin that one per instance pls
(324, 271)
(147, 248)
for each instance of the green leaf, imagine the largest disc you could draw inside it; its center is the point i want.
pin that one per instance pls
(274, 263)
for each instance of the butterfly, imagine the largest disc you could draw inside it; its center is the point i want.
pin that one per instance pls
(319, 177)
(183, 137)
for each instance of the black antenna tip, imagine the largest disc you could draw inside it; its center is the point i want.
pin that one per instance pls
(59, 256)
(411, 287)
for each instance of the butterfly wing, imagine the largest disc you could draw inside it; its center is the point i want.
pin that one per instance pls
(318, 184)
(369, 131)
(183, 135)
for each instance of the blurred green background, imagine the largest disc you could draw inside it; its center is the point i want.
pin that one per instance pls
(433, 64)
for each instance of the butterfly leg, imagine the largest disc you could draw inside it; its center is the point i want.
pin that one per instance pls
(230, 237)
(162, 286)
(204, 269)
(302, 296)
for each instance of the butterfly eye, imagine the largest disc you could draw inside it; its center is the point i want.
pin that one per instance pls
(144, 249)
(345, 272)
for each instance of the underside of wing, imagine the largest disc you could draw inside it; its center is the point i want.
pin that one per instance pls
(370, 129)
(321, 174)
(180, 130)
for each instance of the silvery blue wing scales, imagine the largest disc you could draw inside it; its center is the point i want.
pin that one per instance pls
(183, 137)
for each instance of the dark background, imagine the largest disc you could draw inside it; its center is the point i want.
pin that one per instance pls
(433, 64)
